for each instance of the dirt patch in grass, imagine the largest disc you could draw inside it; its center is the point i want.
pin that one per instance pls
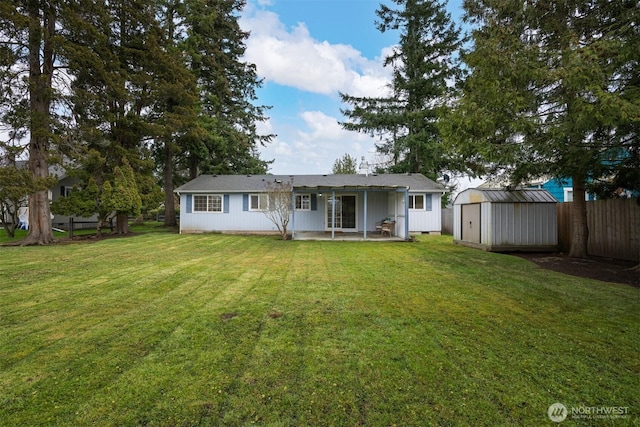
(604, 269)
(227, 316)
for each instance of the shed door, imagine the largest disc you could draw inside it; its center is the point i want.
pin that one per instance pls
(471, 223)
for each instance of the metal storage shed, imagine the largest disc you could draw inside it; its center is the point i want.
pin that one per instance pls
(501, 220)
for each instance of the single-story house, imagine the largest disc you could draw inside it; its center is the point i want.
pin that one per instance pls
(320, 203)
(505, 220)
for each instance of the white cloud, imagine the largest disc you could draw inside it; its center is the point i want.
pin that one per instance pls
(315, 145)
(323, 127)
(292, 57)
(310, 141)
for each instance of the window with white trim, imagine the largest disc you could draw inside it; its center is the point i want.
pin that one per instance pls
(416, 202)
(303, 202)
(568, 194)
(420, 202)
(258, 202)
(207, 203)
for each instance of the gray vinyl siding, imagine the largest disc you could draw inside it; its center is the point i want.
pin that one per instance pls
(509, 220)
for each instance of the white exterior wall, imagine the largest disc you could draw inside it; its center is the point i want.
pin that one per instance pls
(427, 221)
(380, 204)
(376, 209)
(310, 220)
(395, 210)
(235, 220)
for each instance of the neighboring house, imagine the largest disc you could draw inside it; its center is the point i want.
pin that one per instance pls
(62, 188)
(235, 203)
(560, 189)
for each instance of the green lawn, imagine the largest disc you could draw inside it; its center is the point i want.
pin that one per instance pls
(167, 329)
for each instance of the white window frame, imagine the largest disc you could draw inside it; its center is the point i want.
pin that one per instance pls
(263, 202)
(210, 204)
(412, 202)
(569, 191)
(305, 197)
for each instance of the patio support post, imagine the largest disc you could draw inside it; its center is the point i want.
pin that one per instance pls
(293, 214)
(333, 214)
(365, 214)
(406, 213)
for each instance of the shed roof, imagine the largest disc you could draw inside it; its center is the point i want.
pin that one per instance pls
(256, 183)
(495, 195)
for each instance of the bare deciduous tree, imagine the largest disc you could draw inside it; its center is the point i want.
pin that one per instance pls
(280, 204)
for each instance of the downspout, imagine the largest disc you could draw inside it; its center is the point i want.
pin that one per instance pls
(180, 221)
(293, 214)
(333, 214)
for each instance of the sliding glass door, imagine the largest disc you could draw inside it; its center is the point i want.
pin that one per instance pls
(345, 207)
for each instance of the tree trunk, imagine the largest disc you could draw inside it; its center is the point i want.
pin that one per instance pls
(193, 167)
(9, 218)
(40, 79)
(579, 228)
(10, 229)
(122, 223)
(169, 203)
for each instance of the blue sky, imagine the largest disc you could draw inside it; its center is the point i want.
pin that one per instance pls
(307, 51)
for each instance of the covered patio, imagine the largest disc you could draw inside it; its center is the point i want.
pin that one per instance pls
(351, 212)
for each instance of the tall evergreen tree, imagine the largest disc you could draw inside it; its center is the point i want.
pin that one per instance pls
(113, 93)
(552, 90)
(121, 196)
(345, 165)
(29, 44)
(176, 100)
(203, 107)
(422, 65)
(215, 47)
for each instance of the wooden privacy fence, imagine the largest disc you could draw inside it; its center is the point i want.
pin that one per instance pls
(614, 228)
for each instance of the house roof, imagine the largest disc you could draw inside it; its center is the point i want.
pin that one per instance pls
(495, 195)
(56, 171)
(256, 183)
